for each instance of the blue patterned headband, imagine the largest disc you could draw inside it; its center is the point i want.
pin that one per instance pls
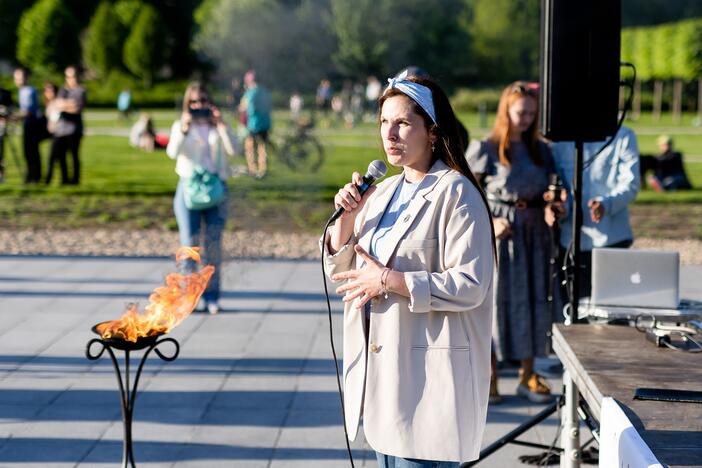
(418, 93)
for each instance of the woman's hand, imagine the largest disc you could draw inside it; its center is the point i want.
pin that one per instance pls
(216, 116)
(185, 121)
(365, 283)
(351, 201)
(349, 197)
(555, 206)
(597, 210)
(553, 212)
(503, 229)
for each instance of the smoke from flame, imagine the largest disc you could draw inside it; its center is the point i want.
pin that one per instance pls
(168, 305)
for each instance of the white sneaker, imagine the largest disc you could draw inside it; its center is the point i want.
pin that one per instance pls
(213, 308)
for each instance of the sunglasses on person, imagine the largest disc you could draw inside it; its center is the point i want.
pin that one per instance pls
(202, 100)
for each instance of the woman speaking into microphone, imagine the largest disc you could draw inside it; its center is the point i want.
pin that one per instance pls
(416, 255)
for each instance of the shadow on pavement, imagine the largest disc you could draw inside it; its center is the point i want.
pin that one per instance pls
(89, 451)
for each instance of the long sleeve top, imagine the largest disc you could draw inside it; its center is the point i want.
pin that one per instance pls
(612, 178)
(193, 148)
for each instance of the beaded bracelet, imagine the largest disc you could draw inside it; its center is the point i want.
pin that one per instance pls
(383, 282)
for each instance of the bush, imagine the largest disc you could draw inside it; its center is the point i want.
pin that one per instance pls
(47, 37)
(103, 93)
(103, 42)
(470, 100)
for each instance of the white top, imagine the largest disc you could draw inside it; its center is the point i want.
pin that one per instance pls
(400, 199)
(203, 145)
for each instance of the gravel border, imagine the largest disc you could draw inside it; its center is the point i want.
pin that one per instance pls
(249, 244)
(150, 243)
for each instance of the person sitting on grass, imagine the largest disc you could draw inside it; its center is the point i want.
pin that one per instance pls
(144, 136)
(668, 170)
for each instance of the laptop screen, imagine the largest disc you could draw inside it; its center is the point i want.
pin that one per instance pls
(635, 278)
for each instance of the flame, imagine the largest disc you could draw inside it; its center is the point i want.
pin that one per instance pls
(168, 305)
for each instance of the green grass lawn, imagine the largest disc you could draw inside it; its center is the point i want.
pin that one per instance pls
(126, 187)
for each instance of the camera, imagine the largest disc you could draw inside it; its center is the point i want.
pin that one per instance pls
(200, 113)
(555, 188)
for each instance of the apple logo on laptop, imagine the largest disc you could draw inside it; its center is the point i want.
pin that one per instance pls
(636, 278)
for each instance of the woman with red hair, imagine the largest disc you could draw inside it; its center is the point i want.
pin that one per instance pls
(513, 165)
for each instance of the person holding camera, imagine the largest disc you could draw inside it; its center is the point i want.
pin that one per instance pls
(514, 165)
(30, 114)
(200, 143)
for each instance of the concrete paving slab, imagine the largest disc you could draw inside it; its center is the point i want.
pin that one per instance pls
(253, 386)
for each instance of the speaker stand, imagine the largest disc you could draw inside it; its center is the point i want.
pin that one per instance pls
(574, 267)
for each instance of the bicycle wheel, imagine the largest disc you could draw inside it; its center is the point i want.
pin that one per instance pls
(303, 154)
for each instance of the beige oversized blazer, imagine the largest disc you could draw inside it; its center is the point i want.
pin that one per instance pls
(421, 380)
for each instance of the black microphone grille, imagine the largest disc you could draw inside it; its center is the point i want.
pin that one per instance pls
(377, 169)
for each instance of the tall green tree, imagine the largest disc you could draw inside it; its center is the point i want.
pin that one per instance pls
(651, 12)
(384, 36)
(179, 28)
(143, 49)
(505, 37)
(288, 45)
(102, 49)
(127, 11)
(363, 36)
(47, 37)
(439, 42)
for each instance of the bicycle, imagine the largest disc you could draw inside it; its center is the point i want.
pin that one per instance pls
(300, 150)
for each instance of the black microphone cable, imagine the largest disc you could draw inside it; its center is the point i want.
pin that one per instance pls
(376, 170)
(331, 340)
(568, 259)
(627, 108)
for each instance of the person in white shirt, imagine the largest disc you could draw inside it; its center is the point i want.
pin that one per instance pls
(201, 141)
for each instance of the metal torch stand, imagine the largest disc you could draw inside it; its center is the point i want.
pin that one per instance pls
(127, 394)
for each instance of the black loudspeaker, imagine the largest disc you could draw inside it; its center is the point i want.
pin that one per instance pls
(580, 43)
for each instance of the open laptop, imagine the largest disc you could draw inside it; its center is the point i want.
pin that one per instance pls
(635, 278)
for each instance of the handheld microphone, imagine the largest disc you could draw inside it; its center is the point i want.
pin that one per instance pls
(376, 170)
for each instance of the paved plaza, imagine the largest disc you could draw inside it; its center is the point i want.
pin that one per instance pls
(252, 387)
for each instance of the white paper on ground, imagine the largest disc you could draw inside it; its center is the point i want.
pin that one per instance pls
(621, 446)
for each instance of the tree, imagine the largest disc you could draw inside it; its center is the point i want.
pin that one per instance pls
(143, 49)
(364, 42)
(687, 61)
(10, 13)
(127, 11)
(431, 35)
(315, 43)
(245, 34)
(440, 43)
(505, 37)
(47, 37)
(102, 49)
(179, 29)
(288, 46)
